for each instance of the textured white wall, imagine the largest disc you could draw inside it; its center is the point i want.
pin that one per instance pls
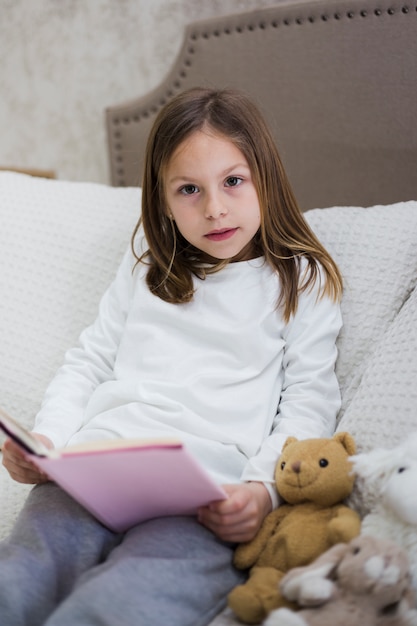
(64, 61)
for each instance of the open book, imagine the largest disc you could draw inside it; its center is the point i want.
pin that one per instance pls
(123, 481)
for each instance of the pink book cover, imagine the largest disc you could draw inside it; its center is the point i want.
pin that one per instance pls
(125, 482)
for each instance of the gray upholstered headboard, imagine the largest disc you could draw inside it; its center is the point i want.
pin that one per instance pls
(337, 80)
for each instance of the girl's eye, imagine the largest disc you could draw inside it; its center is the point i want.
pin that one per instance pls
(233, 181)
(188, 190)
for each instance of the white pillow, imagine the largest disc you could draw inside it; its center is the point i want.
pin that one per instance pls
(60, 245)
(383, 411)
(375, 249)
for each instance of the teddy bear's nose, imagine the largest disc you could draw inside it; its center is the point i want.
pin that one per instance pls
(296, 466)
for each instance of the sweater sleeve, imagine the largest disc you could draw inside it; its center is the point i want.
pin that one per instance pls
(88, 364)
(310, 398)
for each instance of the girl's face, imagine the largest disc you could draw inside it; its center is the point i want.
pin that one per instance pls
(212, 198)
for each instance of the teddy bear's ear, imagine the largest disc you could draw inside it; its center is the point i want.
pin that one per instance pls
(347, 442)
(288, 441)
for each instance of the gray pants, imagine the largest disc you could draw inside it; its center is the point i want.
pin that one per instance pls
(60, 567)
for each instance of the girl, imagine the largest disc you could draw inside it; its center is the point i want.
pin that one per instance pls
(219, 329)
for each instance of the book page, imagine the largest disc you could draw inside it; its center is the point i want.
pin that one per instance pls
(106, 445)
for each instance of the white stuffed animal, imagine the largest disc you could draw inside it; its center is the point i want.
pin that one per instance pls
(393, 475)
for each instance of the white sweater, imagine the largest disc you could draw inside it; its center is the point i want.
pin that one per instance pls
(223, 373)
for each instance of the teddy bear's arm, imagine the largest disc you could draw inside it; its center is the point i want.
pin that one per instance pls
(309, 585)
(246, 554)
(345, 525)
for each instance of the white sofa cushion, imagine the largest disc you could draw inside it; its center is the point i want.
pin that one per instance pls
(60, 244)
(383, 412)
(377, 363)
(375, 249)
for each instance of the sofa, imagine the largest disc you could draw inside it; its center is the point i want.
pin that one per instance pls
(336, 80)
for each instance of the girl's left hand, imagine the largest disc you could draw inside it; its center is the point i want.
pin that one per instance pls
(20, 468)
(239, 517)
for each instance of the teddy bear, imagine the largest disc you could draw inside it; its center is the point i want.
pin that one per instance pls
(366, 581)
(391, 474)
(313, 477)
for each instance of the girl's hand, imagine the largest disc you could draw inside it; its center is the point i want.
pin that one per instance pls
(17, 464)
(238, 518)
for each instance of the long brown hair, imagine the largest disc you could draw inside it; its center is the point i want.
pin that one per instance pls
(284, 235)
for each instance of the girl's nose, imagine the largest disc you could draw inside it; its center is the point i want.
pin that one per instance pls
(214, 208)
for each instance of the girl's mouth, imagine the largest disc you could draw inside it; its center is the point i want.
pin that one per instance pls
(221, 235)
